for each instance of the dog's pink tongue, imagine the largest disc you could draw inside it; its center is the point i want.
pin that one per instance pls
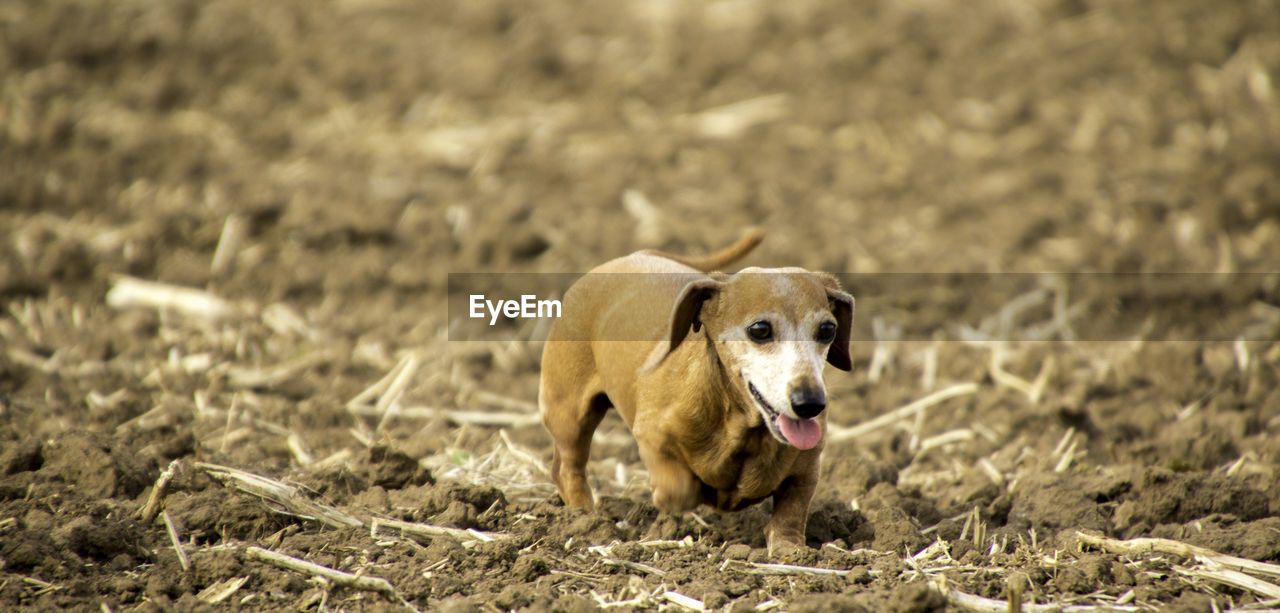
(803, 433)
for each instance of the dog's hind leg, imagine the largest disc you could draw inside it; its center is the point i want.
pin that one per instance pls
(572, 420)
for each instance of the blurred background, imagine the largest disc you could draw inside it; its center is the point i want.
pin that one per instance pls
(356, 151)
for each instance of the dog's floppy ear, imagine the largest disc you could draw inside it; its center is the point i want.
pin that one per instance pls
(842, 308)
(684, 317)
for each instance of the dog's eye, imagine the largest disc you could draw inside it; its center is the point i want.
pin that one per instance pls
(760, 332)
(826, 332)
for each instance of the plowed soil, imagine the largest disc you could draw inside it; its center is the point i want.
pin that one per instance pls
(314, 170)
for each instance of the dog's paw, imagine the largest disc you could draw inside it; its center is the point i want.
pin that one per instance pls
(675, 501)
(789, 551)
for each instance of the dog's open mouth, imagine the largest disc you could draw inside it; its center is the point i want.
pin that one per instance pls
(799, 433)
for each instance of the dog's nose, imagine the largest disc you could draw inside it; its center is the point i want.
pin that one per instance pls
(808, 402)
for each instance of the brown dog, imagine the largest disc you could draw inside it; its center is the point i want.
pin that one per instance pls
(718, 376)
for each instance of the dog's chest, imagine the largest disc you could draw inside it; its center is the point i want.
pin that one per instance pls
(746, 467)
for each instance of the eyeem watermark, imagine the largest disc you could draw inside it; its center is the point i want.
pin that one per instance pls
(968, 307)
(527, 307)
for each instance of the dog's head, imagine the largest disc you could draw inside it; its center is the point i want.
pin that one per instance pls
(772, 329)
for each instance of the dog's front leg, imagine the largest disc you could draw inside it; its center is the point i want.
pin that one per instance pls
(675, 488)
(785, 531)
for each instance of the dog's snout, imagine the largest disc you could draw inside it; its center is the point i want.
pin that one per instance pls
(808, 402)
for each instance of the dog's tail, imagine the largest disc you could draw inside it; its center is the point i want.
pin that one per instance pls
(719, 259)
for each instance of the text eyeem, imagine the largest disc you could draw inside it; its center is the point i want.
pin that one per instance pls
(527, 307)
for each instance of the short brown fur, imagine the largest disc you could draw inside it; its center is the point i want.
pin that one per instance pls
(698, 433)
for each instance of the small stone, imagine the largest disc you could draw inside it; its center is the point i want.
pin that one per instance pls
(715, 600)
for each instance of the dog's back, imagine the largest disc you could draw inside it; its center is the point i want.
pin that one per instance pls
(629, 298)
(719, 259)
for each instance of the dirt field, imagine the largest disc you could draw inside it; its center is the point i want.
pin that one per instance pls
(312, 171)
